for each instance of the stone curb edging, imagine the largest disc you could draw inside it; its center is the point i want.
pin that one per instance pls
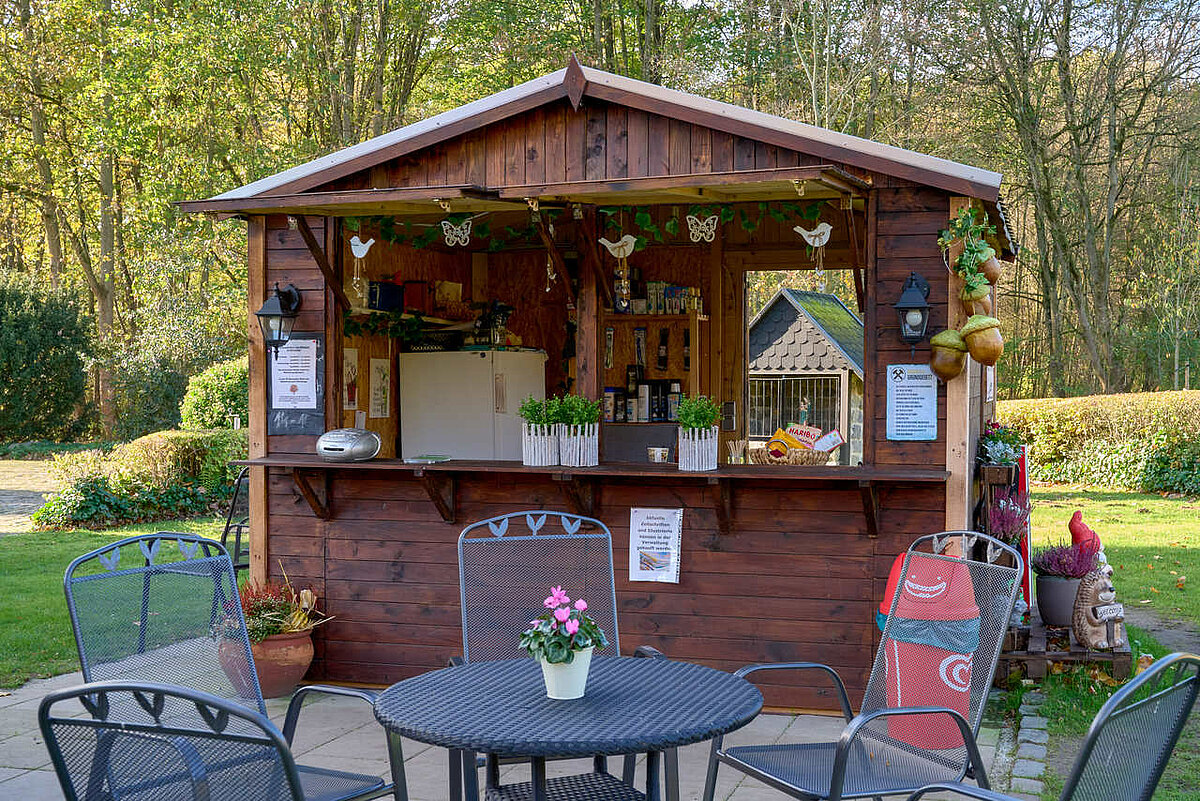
(1030, 763)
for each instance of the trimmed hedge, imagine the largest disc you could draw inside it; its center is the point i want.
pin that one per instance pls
(1148, 441)
(167, 474)
(216, 393)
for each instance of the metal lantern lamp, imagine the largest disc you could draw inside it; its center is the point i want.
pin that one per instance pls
(278, 315)
(913, 309)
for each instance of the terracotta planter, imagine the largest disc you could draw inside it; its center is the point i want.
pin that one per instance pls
(281, 661)
(1056, 599)
(231, 654)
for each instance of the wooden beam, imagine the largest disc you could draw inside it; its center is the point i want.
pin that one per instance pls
(420, 195)
(256, 295)
(870, 503)
(588, 249)
(318, 254)
(721, 492)
(958, 404)
(579, 491)
(442, 489)
(320, 506)
(560, 265)
(827, 175)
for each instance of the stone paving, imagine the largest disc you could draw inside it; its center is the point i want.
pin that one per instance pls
(345, 736)
(22, 485)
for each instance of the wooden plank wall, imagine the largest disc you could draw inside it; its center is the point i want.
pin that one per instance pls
(787, 586)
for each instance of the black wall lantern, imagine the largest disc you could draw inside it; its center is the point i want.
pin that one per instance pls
(278, 315)
(913, 309)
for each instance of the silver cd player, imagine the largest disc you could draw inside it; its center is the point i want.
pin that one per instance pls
(348, 445)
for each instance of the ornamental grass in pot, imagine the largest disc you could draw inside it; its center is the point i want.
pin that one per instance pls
(1059, 569)
(562, 639)
(539, 432)
(698, 433)
(279, 623)
(578, 431)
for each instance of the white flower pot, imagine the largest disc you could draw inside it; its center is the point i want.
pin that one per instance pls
(698, 448)
(569, 680)
(579, 446)
(539, 445)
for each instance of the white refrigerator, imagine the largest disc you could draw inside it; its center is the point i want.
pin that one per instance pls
(463, 404)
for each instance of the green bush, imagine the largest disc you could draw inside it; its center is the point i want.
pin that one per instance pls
(44, 449)
(216, 393)
(43, 340)
(1148, 442)
(163, 475)
(147, 391)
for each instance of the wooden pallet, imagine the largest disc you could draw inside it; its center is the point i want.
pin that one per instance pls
(1034, 647)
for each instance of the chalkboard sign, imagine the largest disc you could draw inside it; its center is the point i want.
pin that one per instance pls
(299, 370)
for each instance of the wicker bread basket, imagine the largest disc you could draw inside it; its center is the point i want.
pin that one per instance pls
(795, 456)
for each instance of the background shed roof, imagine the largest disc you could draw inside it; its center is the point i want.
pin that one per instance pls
(800, 332)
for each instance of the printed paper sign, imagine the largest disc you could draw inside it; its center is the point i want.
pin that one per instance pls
(655, 536)
(294, 375)
(911, 403)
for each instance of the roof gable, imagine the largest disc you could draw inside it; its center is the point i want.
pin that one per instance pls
(575, 83)
(800, 332)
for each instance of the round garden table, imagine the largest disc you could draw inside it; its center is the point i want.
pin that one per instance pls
(632, 706)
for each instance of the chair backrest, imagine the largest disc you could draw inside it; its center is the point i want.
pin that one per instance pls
(153, 741)
(237, 522)
(942, 639)
(507, 564)
(1132, 737)
(162, 607)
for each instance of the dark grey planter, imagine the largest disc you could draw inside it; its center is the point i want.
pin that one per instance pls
(1056, 599)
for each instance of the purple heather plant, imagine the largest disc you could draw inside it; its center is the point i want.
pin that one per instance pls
(1065, 561)
(1008, 517)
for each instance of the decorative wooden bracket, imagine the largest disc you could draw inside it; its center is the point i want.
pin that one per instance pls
(322, 260)
(575, 82)
(579, 492)
(591, 255)
(442, 489)
(870, 502)
(319, 506)
(722, 496)
(860, 287)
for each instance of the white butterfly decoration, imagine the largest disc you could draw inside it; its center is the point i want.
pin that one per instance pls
(702, 229)
(359, 248)
(817, 237)
(622, 248)
(457, 234)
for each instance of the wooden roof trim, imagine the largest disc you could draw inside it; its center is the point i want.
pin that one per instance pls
(279, 203)
(835, 178)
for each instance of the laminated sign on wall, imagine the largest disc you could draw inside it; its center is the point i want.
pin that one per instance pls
(911, 402)
(655, 536)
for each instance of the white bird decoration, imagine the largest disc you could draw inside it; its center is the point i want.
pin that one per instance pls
(817, 237)
(359, 248)
(622, 248)
(702, 229)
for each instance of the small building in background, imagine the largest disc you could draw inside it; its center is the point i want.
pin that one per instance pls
(807, 346)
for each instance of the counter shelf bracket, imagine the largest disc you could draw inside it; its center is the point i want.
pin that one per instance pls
(322, 260)
(722, 496)
(303, 481)
(580, 493)
(870, 502)
(442, 489)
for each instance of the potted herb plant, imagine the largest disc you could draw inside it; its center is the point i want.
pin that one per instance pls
(562, 639)
(279, 623)
(539, 432)
(578, 431)
(1059, 569)
(698, 433)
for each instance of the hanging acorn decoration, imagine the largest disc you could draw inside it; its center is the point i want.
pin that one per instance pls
(982, 335)
(949, 354)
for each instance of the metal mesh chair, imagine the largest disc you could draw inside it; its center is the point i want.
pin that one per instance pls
(237, 522)
(506, 564)
(152, 742)
(1130, 741)
(164, 608)
(926, 694)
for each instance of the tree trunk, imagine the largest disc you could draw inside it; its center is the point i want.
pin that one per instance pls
(37, 126)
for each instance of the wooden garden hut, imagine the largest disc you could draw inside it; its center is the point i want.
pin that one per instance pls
(777, 563)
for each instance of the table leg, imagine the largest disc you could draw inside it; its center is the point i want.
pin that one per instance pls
(470, 774)
(671, 773)
(493, 771)
(652, 790)
(537, 767)
(396, 761)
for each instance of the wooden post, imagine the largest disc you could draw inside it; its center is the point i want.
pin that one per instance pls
(958, 403)
(871, 365)
(256, 283)
(589, 370)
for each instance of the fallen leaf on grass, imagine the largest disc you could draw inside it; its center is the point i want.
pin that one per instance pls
(1179, 582)
(1174, 572)
(1100, 676)
(1144, 661)
(1154, 589)
(1144, 601)
(4, 693)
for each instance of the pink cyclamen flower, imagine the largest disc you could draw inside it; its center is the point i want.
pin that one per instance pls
(550, 602)
(581, 605)
(559, 596)
(534, 623)
(561, 614)
(572, 626)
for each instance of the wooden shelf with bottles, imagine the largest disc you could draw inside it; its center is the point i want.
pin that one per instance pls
(695, 379)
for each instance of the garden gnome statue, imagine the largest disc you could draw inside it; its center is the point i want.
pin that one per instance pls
(1080, 532)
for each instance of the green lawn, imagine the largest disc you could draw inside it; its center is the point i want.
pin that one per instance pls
(1152, 543)
(35, 633)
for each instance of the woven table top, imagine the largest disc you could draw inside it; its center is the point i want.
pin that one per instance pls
(631, 705)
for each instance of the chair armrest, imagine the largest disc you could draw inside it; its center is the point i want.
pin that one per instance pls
(841, 754)
(648, 652)
(970, 791)
(843, 699)
(293, 711)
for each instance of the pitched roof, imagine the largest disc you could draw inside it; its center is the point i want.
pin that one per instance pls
(811, 331)
(576, 82)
